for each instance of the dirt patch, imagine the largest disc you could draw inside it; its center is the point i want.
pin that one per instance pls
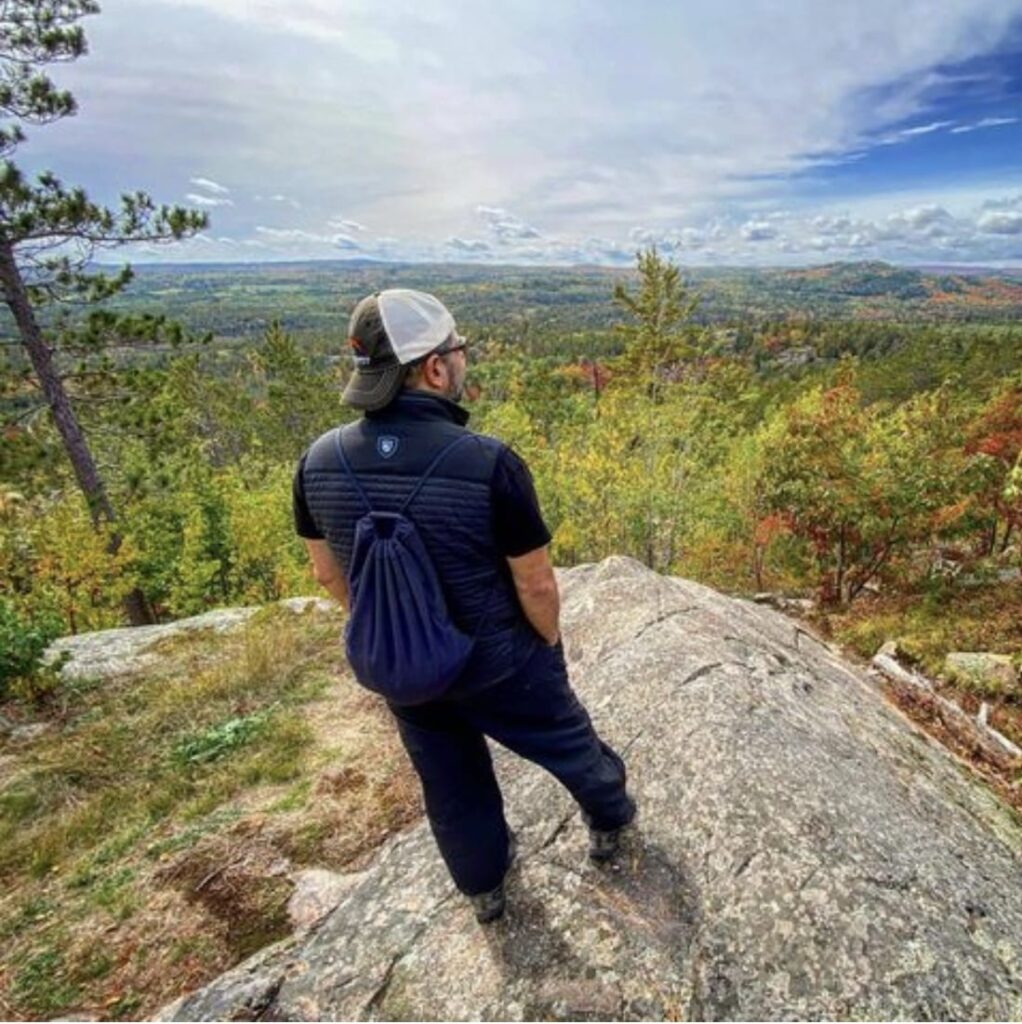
(242, 879)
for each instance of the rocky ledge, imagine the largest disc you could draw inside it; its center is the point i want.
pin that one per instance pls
(802, 852)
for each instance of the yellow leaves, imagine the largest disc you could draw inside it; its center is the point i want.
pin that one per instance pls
(951, 514)
(73, 568)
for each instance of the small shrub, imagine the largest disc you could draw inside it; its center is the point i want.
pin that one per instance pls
(219, 740)
(22, 644)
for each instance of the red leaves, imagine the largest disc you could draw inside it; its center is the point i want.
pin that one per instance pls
(997, 432)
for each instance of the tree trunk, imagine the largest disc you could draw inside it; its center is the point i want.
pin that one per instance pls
(839, 577)
(86, 472)
(1007, 536)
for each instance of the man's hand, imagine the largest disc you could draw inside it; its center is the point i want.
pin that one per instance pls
(327, 571)
(537, 592)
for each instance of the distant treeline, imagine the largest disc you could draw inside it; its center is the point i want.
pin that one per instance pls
(235, 300)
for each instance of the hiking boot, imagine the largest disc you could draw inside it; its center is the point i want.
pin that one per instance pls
(605, 843)
(489, 906)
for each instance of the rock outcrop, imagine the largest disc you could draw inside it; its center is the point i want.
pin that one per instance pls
(992, 672)
(109, 653)
(802, 852)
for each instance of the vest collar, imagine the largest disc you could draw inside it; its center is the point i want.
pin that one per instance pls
(413, 404)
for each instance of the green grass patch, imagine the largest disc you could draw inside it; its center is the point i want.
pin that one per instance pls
(220, 740)
(41, 985)
(294, 800)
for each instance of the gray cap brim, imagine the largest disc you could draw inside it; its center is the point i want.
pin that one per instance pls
(371, 388)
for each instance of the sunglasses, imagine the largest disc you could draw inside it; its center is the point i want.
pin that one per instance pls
(459, 346)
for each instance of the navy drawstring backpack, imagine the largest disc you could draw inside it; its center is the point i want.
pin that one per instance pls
(399, 637)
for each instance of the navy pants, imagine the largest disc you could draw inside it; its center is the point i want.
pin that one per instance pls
(536, 714)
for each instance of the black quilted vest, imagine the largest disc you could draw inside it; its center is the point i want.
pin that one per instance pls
(389, 450)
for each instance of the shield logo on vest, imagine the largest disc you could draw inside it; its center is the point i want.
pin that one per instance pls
(386, 445)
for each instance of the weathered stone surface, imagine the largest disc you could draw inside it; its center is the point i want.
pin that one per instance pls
(317, 892)
(802, 852)
(889, 649)
(309, 605)
(990, 670)
(114, 652)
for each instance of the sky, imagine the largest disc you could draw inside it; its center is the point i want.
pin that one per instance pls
(726, 132)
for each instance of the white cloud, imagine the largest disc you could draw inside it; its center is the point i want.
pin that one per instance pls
(506, 227)
(468, 245)
(293, 235)
(1001, 222)
(925, 129)
(691, 238)
(279, 198)
(924, 216)
(199, 200)
(831, 225)
(210, 186)
(346, 225)
(963, 227)
(758, 231)
(1003, 203)
(986, 122)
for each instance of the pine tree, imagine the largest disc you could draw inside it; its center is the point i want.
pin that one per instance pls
(655, 344)
(50, 233)
(661, 308)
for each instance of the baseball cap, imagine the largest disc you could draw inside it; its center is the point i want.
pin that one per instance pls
(387, 331)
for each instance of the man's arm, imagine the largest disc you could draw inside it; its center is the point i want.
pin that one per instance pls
(537, 591)
(327, 570)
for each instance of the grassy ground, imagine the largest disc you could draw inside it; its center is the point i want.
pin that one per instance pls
(147, 836)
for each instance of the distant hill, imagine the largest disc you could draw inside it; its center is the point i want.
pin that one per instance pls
(240, 299)
(876, 290)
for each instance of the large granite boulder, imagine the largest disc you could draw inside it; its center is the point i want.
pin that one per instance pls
(802, 851)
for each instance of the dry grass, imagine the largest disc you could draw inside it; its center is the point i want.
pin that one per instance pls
(146, 841)
(928, 625)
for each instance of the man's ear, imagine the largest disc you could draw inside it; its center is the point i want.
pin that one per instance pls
(432, 371)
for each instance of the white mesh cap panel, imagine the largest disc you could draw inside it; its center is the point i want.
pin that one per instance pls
(415, 322)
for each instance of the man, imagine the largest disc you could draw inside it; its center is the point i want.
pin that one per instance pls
(480, 521)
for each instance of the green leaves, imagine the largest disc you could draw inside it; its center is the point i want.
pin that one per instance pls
(661, 307)
(22, 642)
(220, 740)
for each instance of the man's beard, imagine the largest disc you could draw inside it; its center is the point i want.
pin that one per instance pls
(456, 389)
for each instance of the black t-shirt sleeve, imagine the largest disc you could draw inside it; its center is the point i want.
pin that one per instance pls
(304, 525)
(518, 525)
